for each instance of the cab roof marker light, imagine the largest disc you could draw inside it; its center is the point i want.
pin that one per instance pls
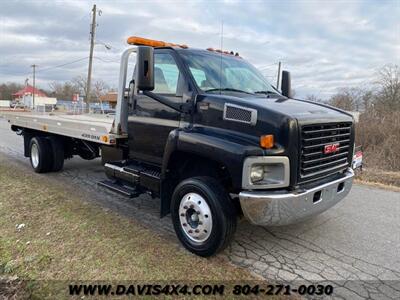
(223, 52)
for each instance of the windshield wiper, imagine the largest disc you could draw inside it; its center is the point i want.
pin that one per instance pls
(269, 93)
(228, 89)
(266, 93)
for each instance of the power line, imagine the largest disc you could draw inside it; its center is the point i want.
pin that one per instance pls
(10, 63)
(15, 73)
(64, 64)
(107, 61)
(267, 66)
(26, 74)
(107, 45)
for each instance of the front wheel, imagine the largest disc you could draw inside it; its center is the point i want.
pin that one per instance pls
(203, 215)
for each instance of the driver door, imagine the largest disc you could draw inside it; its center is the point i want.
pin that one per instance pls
(151, 121)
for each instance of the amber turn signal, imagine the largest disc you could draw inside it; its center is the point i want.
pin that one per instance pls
(104, 138)
(267, 141)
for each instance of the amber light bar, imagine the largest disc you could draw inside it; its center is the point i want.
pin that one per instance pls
(139, 41)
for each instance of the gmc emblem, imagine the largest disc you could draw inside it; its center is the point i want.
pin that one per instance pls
(331, 148)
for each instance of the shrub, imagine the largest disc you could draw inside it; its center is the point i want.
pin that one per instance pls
(379, 135)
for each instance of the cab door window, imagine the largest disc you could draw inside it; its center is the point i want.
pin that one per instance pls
(166, 74)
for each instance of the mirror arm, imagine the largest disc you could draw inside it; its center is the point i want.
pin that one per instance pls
(183, 108)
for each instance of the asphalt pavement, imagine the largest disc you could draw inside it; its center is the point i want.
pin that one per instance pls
(355, 245)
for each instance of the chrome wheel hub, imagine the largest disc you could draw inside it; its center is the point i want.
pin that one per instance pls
(195, 217)
(35, 155)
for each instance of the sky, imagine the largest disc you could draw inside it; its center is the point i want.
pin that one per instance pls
(326, 45)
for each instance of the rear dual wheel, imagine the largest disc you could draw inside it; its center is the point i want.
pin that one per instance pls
(57, 147)
(203, 215)
(46, 154)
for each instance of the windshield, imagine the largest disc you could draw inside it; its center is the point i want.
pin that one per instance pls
(216, 73)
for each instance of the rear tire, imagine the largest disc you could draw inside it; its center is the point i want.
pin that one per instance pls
(57, 146)
(40, 155)
(203, 215)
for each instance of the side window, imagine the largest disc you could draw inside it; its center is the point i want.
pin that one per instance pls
(199, 76)
(166, 74)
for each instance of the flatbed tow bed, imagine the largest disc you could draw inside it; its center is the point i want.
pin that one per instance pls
(88, 127)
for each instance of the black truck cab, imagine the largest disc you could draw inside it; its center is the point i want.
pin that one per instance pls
(214, 140)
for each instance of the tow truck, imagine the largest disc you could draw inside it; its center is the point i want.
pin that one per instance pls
(207, 134)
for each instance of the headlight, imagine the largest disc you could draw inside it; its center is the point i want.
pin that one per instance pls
(265, 172)
(273, 173)
(257, 173)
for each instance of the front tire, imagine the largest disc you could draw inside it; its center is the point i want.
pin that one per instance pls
(40, 155)
(203, 215)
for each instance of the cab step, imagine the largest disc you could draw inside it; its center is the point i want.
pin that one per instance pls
(134, 174)
(118, 187)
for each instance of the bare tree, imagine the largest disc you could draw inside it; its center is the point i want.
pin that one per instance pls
(350, 99)
(8, 89)
(314, 98)
(64, 91)
(80, 83)
(56, 88)
(389, 95)
(100, 88)
(367, 100)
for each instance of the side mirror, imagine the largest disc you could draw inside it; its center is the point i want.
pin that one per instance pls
(286, 84)
(145, 68)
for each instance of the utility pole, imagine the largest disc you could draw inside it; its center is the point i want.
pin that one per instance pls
(278, 80)
(92, 34)
(34, 88)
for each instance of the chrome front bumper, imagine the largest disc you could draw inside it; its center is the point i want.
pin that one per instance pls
(282, 207)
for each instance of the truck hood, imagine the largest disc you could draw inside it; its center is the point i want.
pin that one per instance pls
(278, 116)
(302, 110)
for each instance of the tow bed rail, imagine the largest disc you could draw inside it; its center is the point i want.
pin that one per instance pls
(94, 128)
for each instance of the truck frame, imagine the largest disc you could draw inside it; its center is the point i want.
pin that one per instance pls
(210, 151)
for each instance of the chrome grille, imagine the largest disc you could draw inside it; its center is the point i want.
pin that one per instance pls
(313, 161)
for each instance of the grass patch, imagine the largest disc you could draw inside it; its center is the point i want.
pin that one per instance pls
(68, 239)
(379, 178)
